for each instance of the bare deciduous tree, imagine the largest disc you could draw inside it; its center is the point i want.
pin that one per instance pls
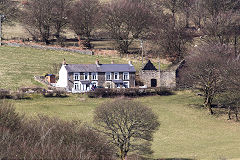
(37, 18)
(231, 97)
(204, 71)
(61, 8)
(171, 39)
(126, 20)
(128, 125)
(9, 9)
(45, 19)
(186, 7)
(84, 17)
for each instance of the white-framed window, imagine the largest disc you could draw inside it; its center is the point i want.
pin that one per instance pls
(76, 86)
(94, 76)
(116, 75)
(86, 76)
(126, 84)
(108, 76)
(76, 76)
(125, 75)
(108, 84)
(118, 85)
(94, 83)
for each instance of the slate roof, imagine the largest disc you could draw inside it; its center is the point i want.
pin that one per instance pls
(101, 68)
(149, 66)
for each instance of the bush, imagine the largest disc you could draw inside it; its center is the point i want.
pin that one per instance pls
(4, 94)
(31, 90)
(130, 92)
(8, 117)
(17, 95)
(164, 92)
(55, 93)
(48, 138)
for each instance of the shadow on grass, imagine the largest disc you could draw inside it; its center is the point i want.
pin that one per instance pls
(142, 158)
(175, 159)
(50, 96)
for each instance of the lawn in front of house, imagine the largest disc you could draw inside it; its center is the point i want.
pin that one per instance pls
(185, 131)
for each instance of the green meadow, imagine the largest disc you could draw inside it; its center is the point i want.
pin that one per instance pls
(186, 131)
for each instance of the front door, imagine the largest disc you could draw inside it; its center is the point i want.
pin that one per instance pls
(153, 83)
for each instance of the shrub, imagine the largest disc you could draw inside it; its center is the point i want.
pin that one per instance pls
(4, 94)
(55, 93)
(130, 92)
(8, 117)
(17, 95)
(164, 92)
(31, 90)
(48, 138)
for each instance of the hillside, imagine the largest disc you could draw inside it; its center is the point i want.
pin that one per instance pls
(185, 132)
(19, 65)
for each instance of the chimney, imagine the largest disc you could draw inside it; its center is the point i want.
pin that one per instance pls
(97, 63)
(64, 62)
(112, 62)
(130, 63)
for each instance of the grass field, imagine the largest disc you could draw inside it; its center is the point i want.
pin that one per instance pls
(185, 131)
(19, 65)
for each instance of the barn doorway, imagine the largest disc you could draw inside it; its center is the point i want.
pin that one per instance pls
(153, 83)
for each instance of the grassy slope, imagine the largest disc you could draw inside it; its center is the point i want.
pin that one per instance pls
(185, 132)
(19, 65)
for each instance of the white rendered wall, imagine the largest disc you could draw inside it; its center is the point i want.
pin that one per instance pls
(63, 77)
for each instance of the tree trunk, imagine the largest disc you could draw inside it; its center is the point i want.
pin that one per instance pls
(79, 41)
(229, 113)
(88, 43)
(187, 19)
(236, 114)
(208, 104)
(235, 44)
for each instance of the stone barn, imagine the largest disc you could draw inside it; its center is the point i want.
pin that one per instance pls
(151, 77)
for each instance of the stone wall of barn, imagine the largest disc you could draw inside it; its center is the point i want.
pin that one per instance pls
(166, 79)
(147, 75)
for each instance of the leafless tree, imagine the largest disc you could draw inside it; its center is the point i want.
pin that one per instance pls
(198, 13)
(125, 20)
(45, 19)
(204, 71)
(171, 38)
(186, 7)
(9, 9)
(221, 21)
(84, 17)
(173, 6)
(37, 18)
(61, 9)
(128, 125)
(231, 97)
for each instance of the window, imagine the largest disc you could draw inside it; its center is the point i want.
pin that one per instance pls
(125, 75)
(125, 84)
(94, 76)
(118, 85)
(76, 86)
(116, 75)
(86, 76)
(76, 76)
(94, 84)
(108, 84)
(108, 75)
